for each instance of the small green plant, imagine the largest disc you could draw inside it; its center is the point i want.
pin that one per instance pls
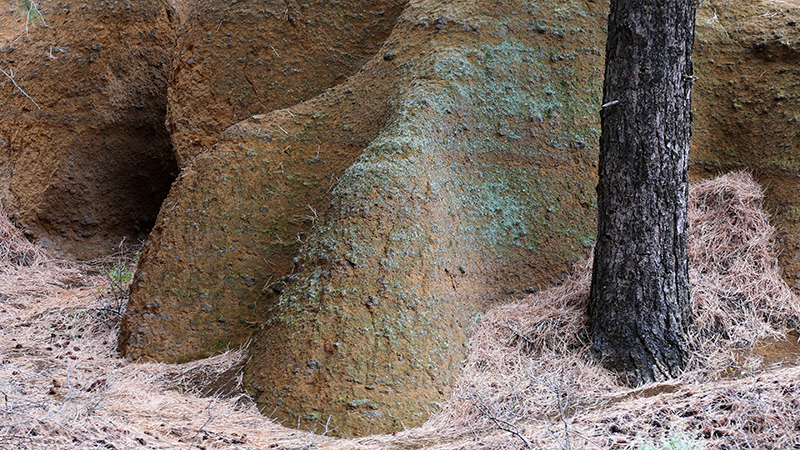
(674, 440)
(118, 276)
(30, 11)
(77, 317)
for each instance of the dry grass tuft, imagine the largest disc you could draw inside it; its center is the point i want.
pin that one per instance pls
(738, 294)
(217, 376)
(527, 362)
(528, 380)
(26, 269)
(15, 250)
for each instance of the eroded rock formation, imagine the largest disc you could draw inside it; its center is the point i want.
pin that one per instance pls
(236, 59)
(359, 235)
(92, 166)
(746, 107)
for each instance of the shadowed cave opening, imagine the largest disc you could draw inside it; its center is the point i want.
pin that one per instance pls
(108, 192)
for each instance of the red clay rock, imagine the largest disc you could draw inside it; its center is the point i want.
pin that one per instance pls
(359, 235)
(746, 108)
(92, 166)
(238, 58)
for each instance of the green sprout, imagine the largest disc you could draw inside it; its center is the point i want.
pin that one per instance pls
(30, 11)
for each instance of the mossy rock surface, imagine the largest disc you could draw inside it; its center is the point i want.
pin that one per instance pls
(479, 186)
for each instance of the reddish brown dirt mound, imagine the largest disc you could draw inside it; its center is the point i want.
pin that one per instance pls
(236, 59)
(92, 166)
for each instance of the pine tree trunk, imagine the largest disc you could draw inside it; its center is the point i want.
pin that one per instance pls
(639, 307)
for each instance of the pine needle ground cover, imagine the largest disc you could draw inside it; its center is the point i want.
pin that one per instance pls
(529, 380)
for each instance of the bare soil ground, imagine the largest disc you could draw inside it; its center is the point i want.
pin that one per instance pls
(528, 382)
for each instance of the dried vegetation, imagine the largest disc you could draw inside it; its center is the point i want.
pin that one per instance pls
(528, 381)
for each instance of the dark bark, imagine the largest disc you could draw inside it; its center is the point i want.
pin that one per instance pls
(639, 306)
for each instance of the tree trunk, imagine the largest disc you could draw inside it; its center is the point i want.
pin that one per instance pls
(639, 306)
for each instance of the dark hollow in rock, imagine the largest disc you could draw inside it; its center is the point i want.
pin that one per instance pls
(92, 166)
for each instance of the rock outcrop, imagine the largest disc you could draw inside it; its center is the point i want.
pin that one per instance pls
(237, 58)
(746, 107)
(85, 159)
(359, 235)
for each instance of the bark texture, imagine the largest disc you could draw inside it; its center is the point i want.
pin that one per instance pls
(639, 308)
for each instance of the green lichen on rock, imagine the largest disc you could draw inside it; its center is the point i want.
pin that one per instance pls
(479, 186)
(359, 236)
